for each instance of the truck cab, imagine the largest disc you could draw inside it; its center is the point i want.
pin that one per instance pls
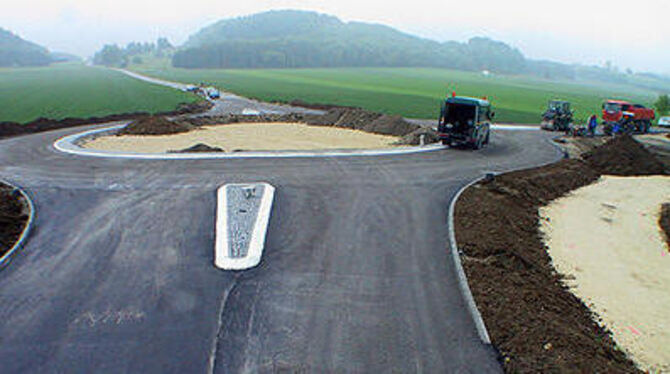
(624, 117)
(465, 121)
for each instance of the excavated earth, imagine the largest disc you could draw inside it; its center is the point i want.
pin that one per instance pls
(533, 319)
(347, 118)
(13, 217)
(664, 222)
(155, 125)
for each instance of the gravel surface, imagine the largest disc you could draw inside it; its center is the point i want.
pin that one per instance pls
(605, 237)
(242, 214)
(247, 137)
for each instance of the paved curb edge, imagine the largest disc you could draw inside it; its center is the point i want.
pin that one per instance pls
(68, 144)
(462, 278)
(7, 257)
(257, 241)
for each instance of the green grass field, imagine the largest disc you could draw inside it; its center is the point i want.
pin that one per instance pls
(75, 90)
(412, 92)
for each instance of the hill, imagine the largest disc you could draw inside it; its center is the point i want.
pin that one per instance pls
(300, 39)
(15, 51)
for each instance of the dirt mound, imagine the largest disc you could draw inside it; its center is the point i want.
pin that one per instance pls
(414, 138)
(328, 119)
(364, 120)
(155, 125)
(624, 156)
(356, 119)
(349, 118)
(534, 321)
(391, 125)
(664, 222)
(13, 217)
(318, 106)
(200, 147)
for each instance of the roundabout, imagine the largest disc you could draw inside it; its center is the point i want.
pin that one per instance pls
(357, 273)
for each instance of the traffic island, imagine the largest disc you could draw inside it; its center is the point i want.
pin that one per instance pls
(337, 129)
(243, 215)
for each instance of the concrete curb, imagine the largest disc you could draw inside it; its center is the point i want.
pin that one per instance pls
(257, 242)
(462, 279)
(69, 144)
(7, 257)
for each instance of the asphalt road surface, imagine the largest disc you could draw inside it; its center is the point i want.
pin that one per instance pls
(356, 276)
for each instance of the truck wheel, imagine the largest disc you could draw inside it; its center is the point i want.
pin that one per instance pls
(477, 144)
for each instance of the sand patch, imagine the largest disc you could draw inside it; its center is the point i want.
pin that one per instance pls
(248, 137)
(605, 238)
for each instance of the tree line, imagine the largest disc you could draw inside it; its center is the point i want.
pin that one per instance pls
(15, 51)
(113, 55)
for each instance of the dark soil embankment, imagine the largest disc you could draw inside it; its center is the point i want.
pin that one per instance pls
(664, 222)
(9, 129)
(155, 125)
(349, 118)
(13, 217)
(318, 106)
(534, 321)
(199, 148)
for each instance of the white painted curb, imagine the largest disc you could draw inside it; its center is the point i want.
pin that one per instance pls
(257, 242)
(68, 144)
(6, 258)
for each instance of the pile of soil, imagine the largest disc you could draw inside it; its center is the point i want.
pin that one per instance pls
(13, 217)
(624, 156)
(664, 222)
(9, 129)
(318, 106)
(200, 147)
(155, 125)
(247, 118)
(361, 119)
(349, 118)
(533, 319)
(414, 138)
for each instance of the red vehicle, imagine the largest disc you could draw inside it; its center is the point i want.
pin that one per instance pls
(624, 117)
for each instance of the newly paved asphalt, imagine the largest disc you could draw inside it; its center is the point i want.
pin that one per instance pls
(118, 274)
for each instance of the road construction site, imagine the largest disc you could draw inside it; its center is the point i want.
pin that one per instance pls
(357, 273)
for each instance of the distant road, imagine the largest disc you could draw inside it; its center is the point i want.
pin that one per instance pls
(175, 85)
(228, 103)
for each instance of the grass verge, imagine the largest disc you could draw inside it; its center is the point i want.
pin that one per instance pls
(75, 90)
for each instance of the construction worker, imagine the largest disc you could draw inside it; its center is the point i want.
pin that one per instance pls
(593, 123)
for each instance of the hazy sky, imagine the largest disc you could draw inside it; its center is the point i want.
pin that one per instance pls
(632, 34)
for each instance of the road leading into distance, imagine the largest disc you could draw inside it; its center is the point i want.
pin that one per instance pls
(356, 276)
